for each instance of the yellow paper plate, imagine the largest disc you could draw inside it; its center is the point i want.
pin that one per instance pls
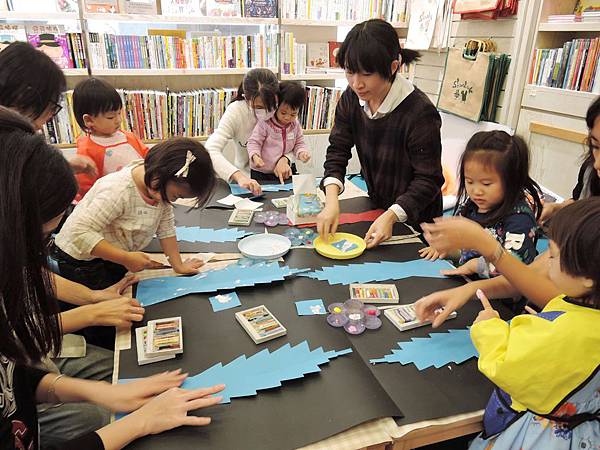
(330, 250)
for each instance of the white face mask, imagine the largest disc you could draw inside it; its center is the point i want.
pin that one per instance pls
(263, 114)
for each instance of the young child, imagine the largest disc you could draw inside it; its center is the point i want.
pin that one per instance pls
(97, 108)
(496, 191)
(279, 135)
(102, 239)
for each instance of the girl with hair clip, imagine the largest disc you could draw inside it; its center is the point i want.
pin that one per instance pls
(256, 100)
(545, 366)
(588, 180)
(37, 186)
(496, 191)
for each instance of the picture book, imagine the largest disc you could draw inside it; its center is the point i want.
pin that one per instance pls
(223, 8)
(67, 6)
(183, 7)
(138, 6)
(10, 33)
(102, 6)
(53, 41)
(317, 55)
(260, 8)
(334, 48)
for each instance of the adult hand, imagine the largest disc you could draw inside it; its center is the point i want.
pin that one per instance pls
(328, 220)
(468, 268)
(189, 266)
(431, 254)
(304, 156)
(454, 233)
(282, 169)
(247, 183)
(488, 312)
(439, 305)
(258, 161)
(138, 261)
(549, 210)
(115, 291)
(170, 409)
(119, 312)
(83, 164)
(381, 230)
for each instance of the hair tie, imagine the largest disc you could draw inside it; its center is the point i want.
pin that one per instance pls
(189, 159)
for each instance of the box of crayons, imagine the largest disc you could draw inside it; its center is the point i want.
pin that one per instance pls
(404, 317)
(374, 293)
(260, 324)
(165, 337)
(141, 341)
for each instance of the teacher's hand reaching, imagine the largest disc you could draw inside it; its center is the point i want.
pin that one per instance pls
(328, 220)
(381, 230)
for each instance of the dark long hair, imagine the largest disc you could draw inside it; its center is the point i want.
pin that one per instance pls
(259, 83)
(371, 47)
(29, 80)
(575, 229)
(509, 156)
(593, 113)
(37, 185)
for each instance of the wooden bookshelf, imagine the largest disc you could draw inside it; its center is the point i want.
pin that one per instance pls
(314, 76)
(75, 72)
(331, 23)
(560, 101)
(37, 17)
(570, 27)
(172, 72)
(195, 20)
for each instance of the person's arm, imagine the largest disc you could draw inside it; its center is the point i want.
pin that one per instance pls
(299, 144)
(424, 154)
(256, 142)
(119, 313)
(77, 294)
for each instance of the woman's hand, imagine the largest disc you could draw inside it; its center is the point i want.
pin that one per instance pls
(83, 164)
(119, 312)
(115, 291)
(381, 230)
(328, 220)
(550, 209)
(246, 182)
(454, 233)
(439, 305)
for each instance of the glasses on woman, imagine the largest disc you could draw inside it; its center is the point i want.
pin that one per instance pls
(55, 108)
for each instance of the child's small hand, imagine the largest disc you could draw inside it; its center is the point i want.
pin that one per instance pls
(189, 266)
(258, 161)
(304, 156)
(488, 312)
(283, 170)
(431, 254)
(468, 268)
(138, 261)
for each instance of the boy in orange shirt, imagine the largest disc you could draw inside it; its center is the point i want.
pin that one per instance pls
(97, 107)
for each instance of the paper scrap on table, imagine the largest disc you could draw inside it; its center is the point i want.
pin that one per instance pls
(344, 245)
(246, 203)
(222, 302)
(197, 234)
(230, 200)
(310, 307)
(238, 190)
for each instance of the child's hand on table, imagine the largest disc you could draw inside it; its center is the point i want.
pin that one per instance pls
(431, 254)
(468, 268)
(488, 312)
(189, 266)
(138, 261)
(282, 169)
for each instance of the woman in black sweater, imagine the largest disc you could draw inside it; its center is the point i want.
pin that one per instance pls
(396, 131)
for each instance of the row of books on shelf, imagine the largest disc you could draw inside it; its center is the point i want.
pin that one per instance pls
(157, 115)
(390, 10)
(218, 8)
(585, 17)
(65, 49)
(574, 66)
(311, 57)
(109, 51)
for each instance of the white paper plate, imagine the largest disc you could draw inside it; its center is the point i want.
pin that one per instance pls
(264, 246)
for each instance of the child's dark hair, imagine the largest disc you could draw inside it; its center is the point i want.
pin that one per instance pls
(371, 47)
(509, 156)
(164, 160)
(593, 113)
(575, 229)
(30, 81)
(94, 96)
(292, 93)
(259, 83)
(37, 185)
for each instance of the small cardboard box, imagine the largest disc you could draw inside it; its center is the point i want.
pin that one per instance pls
(305, 204)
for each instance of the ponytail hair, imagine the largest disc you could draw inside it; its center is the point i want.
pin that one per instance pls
(259, 83)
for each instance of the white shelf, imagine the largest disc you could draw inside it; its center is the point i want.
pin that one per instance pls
(75, 72)
(570, 27)
(41, 16)
(331, 23)
(314, 76)
(163, 72)
(158, 18)
(561, 101)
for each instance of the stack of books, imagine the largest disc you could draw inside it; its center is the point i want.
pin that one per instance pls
(355, 10)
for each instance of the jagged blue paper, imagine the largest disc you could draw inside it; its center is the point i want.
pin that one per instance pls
(157, 290)
(437, 350)
(238, 190)
(244, 376)
(197, 234)
(380, 271)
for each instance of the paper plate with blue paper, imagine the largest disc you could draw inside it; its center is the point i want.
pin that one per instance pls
(341, 246)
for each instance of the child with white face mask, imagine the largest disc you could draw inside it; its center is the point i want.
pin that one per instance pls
(256, 100)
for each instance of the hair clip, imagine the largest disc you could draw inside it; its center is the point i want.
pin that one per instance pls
(189, 159)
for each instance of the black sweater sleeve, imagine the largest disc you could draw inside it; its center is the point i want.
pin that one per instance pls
(341, 140)
(89, 441)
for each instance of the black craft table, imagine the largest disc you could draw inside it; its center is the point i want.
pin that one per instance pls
(348, 391)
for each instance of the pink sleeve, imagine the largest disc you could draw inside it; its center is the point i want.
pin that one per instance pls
(257, 139)
(299, 145)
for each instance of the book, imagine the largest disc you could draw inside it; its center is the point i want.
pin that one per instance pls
(260, 8)
(138, 6)
(10, 33)
(52, 40)
(67, 6)
(223, 8)
(183, 7)
(317, 54)
(333, 51)
(32, 6)
(102, 6)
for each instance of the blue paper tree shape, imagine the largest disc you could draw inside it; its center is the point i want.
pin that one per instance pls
(197, 234)
(238, 190)
(157, 290)
(380, 271)
(437, 350)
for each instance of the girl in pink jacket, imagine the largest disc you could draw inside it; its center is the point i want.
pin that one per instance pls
(279, 135)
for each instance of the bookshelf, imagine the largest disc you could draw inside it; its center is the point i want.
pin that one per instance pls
(171, 72)
(314, 76)
(193, 20)
(570, 27)
(35, 17)
(332, 23)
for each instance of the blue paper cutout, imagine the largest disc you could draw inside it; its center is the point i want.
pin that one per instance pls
(542, 245)
(237, 190)
(157, 290)
(437, 350)
(359, 182)
(344, 245)
(222, 302)
(197, 234)
(243, 376)
(381, 271)
(310, 307)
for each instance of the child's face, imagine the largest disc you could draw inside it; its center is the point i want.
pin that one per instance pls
(104, 124)
(483, 185)
(286, 114)
(174, 190)
(595, 142)
(567, 284)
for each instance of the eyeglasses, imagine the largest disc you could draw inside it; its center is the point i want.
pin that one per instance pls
(56, 108)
